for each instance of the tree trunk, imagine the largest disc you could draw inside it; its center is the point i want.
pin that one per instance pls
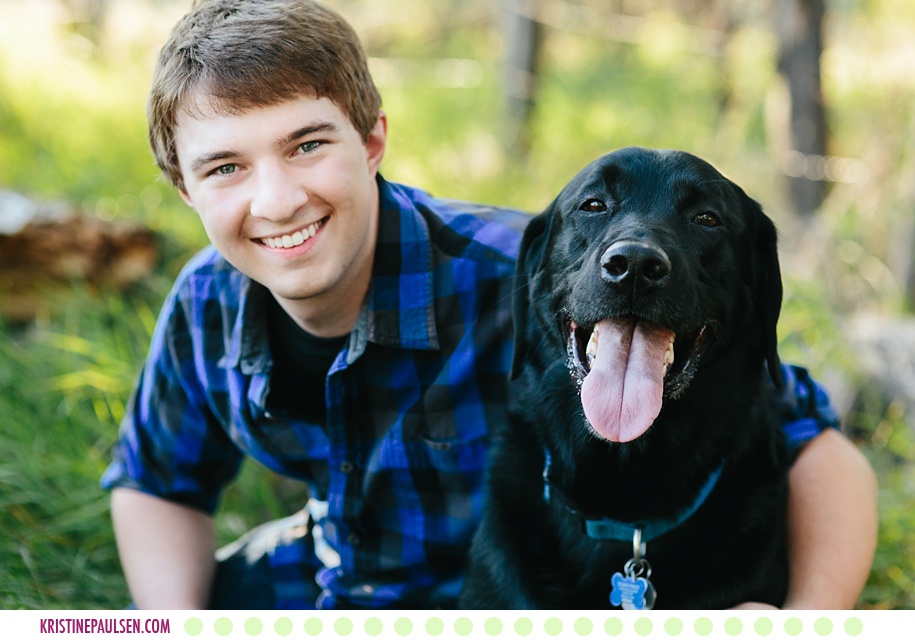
(799, 29)
(522, 44)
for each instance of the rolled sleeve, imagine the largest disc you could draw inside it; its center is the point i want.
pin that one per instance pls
(171, 445)
(804, 407)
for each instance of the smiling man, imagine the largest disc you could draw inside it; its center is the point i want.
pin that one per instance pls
(287, 195)
(353, 334)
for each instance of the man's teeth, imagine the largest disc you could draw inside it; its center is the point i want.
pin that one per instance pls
(294, 240)
(591, 351)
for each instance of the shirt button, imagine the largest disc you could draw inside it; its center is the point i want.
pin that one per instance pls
(347, 467)
(354, 539)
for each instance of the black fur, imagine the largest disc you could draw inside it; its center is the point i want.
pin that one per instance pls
(529, 553)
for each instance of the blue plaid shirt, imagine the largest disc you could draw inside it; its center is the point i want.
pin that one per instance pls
(396, 474)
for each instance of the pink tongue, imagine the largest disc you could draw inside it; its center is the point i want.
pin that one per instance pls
(622, 395)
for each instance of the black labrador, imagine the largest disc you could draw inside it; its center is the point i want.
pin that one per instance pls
(643, 464)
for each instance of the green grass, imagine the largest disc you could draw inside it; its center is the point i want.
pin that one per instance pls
(65, 378)
(56, 435)
(63, 388)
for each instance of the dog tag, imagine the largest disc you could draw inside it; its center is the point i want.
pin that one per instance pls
(630, 590)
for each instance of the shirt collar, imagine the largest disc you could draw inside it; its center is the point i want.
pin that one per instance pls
(399, 310)
(401, 299)
(247, 346)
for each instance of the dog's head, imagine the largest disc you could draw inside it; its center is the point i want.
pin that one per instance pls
(647, 269)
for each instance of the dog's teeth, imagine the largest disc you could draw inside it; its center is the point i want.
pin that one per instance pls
(591, 349)
(669, 356)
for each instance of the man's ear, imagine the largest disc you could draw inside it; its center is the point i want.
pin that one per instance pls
(186, 198)
(376, 142)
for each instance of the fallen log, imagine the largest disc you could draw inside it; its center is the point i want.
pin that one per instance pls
(49, 248)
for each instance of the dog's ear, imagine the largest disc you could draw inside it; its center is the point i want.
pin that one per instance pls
(530, 257)
(768, 283)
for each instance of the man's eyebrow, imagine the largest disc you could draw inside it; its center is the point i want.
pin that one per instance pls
(207, 158)
(317, 127)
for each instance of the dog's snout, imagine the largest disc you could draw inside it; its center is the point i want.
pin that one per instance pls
(635, 264)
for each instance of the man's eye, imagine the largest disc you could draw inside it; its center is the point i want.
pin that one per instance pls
(307, 147)
(225, 170)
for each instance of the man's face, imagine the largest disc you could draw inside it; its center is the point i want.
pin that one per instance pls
(287, 194)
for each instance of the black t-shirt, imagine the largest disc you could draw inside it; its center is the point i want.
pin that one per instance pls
(300, 365)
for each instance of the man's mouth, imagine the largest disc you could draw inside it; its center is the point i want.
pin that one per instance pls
(288, 241)
(626, 367)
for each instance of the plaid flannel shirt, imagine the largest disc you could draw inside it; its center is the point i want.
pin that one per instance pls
(396, 474)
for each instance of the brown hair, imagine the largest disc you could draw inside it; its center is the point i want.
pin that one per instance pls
(234, 55)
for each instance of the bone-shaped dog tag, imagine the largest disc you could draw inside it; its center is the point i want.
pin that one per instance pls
(632, 591)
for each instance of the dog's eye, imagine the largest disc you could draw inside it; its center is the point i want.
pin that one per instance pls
(593, 205)
(707, 219)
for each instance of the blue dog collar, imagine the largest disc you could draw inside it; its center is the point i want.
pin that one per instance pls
(610, 529)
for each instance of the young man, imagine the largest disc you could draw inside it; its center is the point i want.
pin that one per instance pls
(353, 334)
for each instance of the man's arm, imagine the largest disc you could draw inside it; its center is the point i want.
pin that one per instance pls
(166, 549)
(832, 524)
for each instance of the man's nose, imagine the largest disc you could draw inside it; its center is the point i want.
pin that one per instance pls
(277, 194)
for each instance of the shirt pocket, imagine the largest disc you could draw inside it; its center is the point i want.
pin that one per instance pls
(426, 477)
(447, 450)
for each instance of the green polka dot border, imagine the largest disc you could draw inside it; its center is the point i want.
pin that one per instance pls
(733, 627)
(435, 627)
(343, 627)
(314, 626)
(403, 627)
(492, 626)
(524, 627)
(763, 627)
(854, 627)
(193, 626)
(794, 627)
(513, 625)
(463, 626)
(373, 626)
(223, 626)
(613, 626)
(253, 626)
(583, 626)
(673, 626)
(703, 626)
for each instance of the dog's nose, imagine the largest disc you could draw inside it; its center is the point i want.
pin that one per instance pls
(635, 264)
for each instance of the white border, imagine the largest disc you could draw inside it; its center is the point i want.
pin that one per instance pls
(477, 625)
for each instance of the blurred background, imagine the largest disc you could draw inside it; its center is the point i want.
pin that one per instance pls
(807, 104)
